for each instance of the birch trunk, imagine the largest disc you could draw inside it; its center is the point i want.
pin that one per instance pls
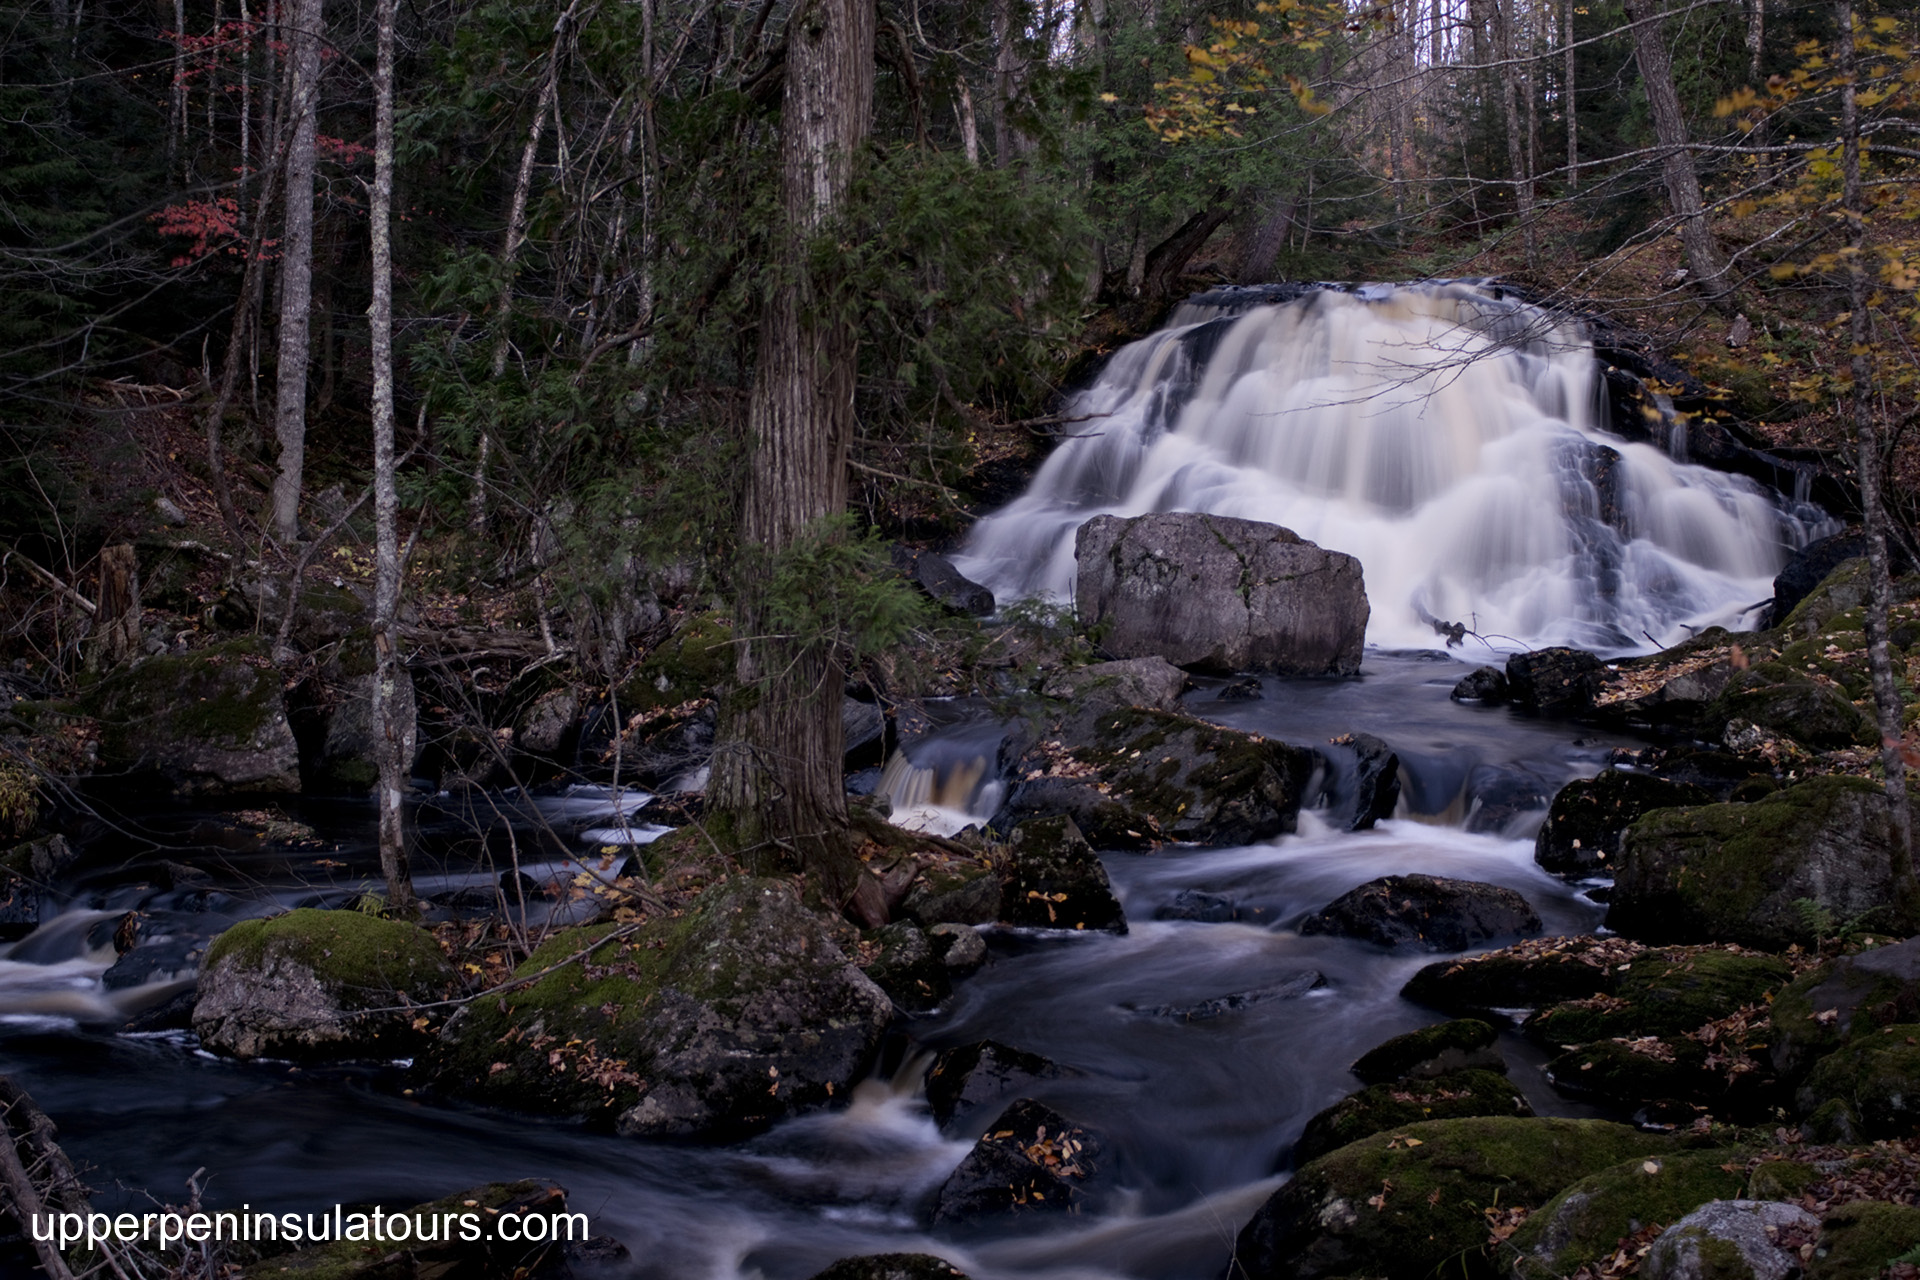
(296, 269)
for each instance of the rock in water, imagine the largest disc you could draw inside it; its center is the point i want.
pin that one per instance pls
(892, 1266)
(935, 575)
(1219, 594)
(1394, 1106)
(1376, 787)
(980, 1074)
(1554, 681)
(1030, 1160)
(737, 1013)
(1742, 872)
(1487, 684)
(1464, 1044)
(1733, 1240)
(1054, 880)
(318, 985)
(1435, 912)
(1588, 818)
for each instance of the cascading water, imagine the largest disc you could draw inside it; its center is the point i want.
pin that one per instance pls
(1446, 435)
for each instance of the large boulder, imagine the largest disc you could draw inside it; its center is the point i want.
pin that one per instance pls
(1826, 1007)
(1812, 711)
(1433, 912)
(1526, 975)
(1585, 1224)
(1381, 1107)
(1412, 1201)
(1862, 1238)
(1140, 776)
(318, 985)
(1130, 682)
(210, 721)
(1554, 681)
(1463, 1044)
(935, 575)
(1746, 873)
(1054, 880)
(1869, 1089)
(1588, 818)
(738, 1012)
(1733, 1240)
(1219, 594)
(1030, 1160)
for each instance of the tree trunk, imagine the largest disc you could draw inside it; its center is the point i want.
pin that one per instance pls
(1004, 68)
(1676, 164)
(1516, 139)
(777, 773)
(1167, 260)
(1569, 99)
(116, 616)
(392, 732)
(1886, 693)
(296, 269)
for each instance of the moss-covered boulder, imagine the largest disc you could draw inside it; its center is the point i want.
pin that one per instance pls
(908, 968)
(950, 891)
(1054, 880)
(1030, 1160)
(1142, 775)
(1381, 1107)
(1432, 912)
(1733, 1240)
(1415, 1200)
(1864, 1239)
(210, 721)
(1827, 1006)
(1526, 975)
(1462, 1044)
(1817, 713)
(317, 985)
(892, 1266)
(1740, 872)
(736, 1013)
(696, 659)
(1586, 1223)
(1668, 992)
(456, 1236)
(1869, 1089)
(1584, 826)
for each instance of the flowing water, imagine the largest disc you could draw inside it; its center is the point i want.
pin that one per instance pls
(1394, 426)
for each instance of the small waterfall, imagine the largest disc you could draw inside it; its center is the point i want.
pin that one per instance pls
(946, 780)
(1447, 435)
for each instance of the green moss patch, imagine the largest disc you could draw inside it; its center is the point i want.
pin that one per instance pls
(1443, 1047)
(364, 959)
(1585, 1223)
(1864, 1239)
(1875, 1080)
(1395, 1106)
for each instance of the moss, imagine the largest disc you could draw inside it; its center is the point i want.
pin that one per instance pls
(1780, 1180)
(1667, 993)
(696, 659)
(226, 694)
(1876, 1078)
(1862, 1239)
(1645, 1070)
(1856, 1000)
(1395, 1106)
(355, 1260)
(1455, 1042)
(353, 953)
(1787, 701)
(1585, 1223)
(1511, 978)
(1414, 1200)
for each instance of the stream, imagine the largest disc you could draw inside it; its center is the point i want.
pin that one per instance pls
(1447, 437)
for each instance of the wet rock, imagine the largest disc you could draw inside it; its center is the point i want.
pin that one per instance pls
(1823, 1009)
(1487, 684)
(1868, 1089)
(1810, 566)
(1524, 976)
(954, 893)
(1384, 1107)
(318, 985)
(1503, 798)
(173, 956)
(865, 728)
(1554, 681)
(892, 1266)
(1291, 987)
(1054, 880)
(1383, 1206)
(1433, 912)
(1739, 872)
(1192, 904)
(1775, 697)
(1245, 689)
(908, 969)
(1589, 817)
(39, 860)
(547, 726)
(961, 949)
(1219, 594)
(19, 906)
(1733, 1240)
(751, 1013)
(210, 721)
(437, 1244)
(1859, 1239)
(175, 1013)
(1584, 1224)
(935, 575)
(1132, 682)
(1460, 1045)
(1664, 993)
(1030, 1160)
(1143, 775)
(972, 1076)
(1376, 785)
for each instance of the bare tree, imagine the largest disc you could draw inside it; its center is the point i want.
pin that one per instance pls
(1708, 264)
(296, 266)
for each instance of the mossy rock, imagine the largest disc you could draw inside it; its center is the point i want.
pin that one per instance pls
(1837, 652)
(449, 1221)
(907, 968)
(213, 720)
(1781, 699)
(1647, 1069)
(892, 1266)
(1665, 993)
(1519, 977)
(1863, 1239)
(315, 985)
(1054, 880)
(1780, 1180)
(1584, 826)
(1822, 1009)
(954, 893)
(1459, 1045)
(1381, 1107)
(738, 1012)
(1738, 872)
(1875, 1082)
(1584, 1224)
(696, 659)
(1384, 1206)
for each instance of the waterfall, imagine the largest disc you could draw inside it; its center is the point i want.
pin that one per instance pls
(1448, 436)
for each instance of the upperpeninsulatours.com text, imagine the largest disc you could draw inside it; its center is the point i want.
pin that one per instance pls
(378, 1226)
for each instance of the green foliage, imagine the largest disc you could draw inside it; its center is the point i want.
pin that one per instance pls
(19, 798)
(837, 588)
